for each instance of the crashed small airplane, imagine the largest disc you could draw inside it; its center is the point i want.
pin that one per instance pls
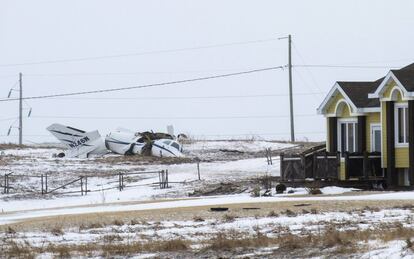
(82, 144)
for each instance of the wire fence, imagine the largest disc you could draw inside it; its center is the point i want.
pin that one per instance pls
(45, 184)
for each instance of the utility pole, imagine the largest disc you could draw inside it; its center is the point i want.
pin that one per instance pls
(20, 110)
(292, 123)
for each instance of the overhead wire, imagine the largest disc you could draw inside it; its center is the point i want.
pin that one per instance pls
(146, 85)
(186, 97)
(128, 73)
(295, 48)
(169, 117)
(80, 59)
(201, 135)
(342, 66)
(297, 72)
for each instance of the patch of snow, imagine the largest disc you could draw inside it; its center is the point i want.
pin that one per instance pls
(243, 146)
(337, 190)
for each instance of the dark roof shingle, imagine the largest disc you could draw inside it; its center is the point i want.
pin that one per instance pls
(406, 76)
(358, 92)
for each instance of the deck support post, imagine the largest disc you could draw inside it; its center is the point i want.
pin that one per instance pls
(392, 177)
(333, 134)
(411, 140)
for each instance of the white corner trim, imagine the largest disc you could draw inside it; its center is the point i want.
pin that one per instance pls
(337, 87)
(381, 88)
(369, 109)
(396, 126)
(327, 99)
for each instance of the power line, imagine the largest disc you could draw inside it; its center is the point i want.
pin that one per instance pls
(199, 71)
(188, 97)
(171, 117)
(137, 53)
(307, 69)
(377, 61)
(305, 83)
(257, 134)
(9, 119)
(128, 73)
(146, 86)
(206, 135)
(343, 66)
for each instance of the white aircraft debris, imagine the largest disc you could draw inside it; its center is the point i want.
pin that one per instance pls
(82, 144)
(79, 143)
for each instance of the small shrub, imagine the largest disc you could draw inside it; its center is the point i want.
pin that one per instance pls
(343, 240)
(222, 242)
(198, 219)
(173, 245)
(134, 222)
(305, 211)
(291, 242)
(272, 214)
(228, 218)
(314, 191)
(256, 192)
(63, 251)
(10, 230)
(57, 231)
(112, 238)
(313, 188)
(90, 226)
(290, 213)
(16, 250)
(118, 222)
(409, 244)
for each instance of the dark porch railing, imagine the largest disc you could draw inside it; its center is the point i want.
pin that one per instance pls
(363, 165)
(318, 164)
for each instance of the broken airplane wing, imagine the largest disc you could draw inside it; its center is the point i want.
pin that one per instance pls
(80, 144)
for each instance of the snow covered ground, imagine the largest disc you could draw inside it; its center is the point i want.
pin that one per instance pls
(242, 146)
(220, 162)
(25, 167)
(199, 233)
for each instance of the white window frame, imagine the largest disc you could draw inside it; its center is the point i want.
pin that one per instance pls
(396, 124)
(372, 126)
(346, 121)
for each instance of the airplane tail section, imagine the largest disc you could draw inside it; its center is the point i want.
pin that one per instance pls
(79, 143)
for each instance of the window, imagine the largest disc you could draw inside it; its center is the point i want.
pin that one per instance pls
(375, 137)
(347, 135)
(401, 125)
(175, 145)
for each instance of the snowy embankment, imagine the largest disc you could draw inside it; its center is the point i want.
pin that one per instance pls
(29, 212)
(198, 234)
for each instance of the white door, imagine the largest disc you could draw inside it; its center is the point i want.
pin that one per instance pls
(375, 138)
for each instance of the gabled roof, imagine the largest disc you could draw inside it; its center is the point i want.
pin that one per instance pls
(406, 76)
(336, 89)
(358, 92)
(365, 96)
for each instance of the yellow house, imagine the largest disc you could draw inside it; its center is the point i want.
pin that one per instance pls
(373, 119)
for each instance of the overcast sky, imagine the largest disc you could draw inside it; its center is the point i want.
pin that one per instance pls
(362, 33)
